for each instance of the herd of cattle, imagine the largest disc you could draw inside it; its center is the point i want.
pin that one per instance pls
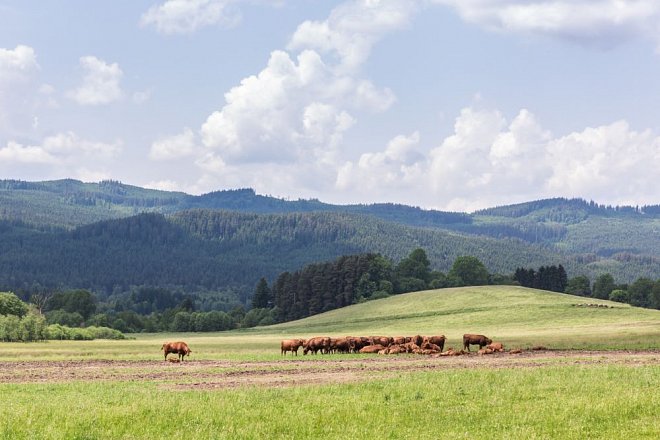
(374, 344)
(389, 345)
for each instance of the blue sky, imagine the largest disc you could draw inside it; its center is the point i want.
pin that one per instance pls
(445, 104)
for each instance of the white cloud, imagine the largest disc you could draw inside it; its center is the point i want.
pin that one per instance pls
(163, 185)
(601, 21)
(353, 28)
(174, 147)
(400, 166)
(60, 149)
(299, 106)
(14, 152)
(18, 68)
(488, 162)
(69, 144)
(187, 16)
(610, 162)
(88, 175)
(288, 109)
(17, 64)
(100, 82)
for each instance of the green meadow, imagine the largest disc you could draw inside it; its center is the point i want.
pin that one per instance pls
(547, 398)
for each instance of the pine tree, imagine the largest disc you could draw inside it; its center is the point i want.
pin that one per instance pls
(262, 295)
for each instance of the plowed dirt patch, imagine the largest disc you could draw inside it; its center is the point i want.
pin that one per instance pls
(212, 374)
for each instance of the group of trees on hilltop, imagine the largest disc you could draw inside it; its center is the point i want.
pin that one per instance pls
(356, 278)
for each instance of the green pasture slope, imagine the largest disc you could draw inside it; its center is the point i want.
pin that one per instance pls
(553, 399)
(517, 316)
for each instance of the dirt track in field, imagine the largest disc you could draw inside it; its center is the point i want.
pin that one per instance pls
(221, 374)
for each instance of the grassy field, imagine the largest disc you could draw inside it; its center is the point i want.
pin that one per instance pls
(123, 390)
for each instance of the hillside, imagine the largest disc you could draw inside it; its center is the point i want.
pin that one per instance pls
(73, 234)
(514, 315)
(216, 250)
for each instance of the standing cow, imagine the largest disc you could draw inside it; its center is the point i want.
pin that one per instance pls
(480, 340)
(180, 348)
(291, 345)
(438, 340)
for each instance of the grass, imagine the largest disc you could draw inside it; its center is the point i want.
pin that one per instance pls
(556, 402)
(555, 399)
(517, 316)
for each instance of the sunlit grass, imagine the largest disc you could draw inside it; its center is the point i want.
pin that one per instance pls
(574, 402)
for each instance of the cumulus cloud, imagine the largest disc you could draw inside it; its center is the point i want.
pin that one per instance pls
(17, 63)
(610, 162)
(62, 148)
(489, 161)
(300, 105)
(187, 16)
(290, 108)
(14, 152)
(173, 147)
(18, 68)
(100, 82)
(400, 166)
(353, 28)
(601, 21)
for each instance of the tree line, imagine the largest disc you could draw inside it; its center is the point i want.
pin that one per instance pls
(313, 289)
(22, 322)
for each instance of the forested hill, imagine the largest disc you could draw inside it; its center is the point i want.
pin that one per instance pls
(205, 249)
(70, 203)
(592, 238)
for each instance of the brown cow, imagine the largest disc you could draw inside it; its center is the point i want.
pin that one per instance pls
(318, 343)
(399, 340)
(438, 340)
(370, 349)
(180, 348)
(417, 339)
(385, 341)
(291, 345)
(358, 342)
(427, 346)
(480, 340)
(496, 346)
(341, 345)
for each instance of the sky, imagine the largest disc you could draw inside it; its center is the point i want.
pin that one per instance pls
(444, 104)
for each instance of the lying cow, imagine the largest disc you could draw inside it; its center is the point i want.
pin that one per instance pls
(480, 340)
(291, 345)
(496, 346)
(370, 349)
(180, 348)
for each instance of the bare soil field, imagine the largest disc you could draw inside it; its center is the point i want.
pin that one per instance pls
(291, 371)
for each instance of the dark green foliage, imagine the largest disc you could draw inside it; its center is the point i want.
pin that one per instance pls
(640, 292)
(603, 286)
(10, 304)
(321, 287)
(579, 285)
(81, 302)
(468, 271)
(62, 317)
(262, 297)
(654, 299)
(551, 278)
(415, 266)
(619, 295)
